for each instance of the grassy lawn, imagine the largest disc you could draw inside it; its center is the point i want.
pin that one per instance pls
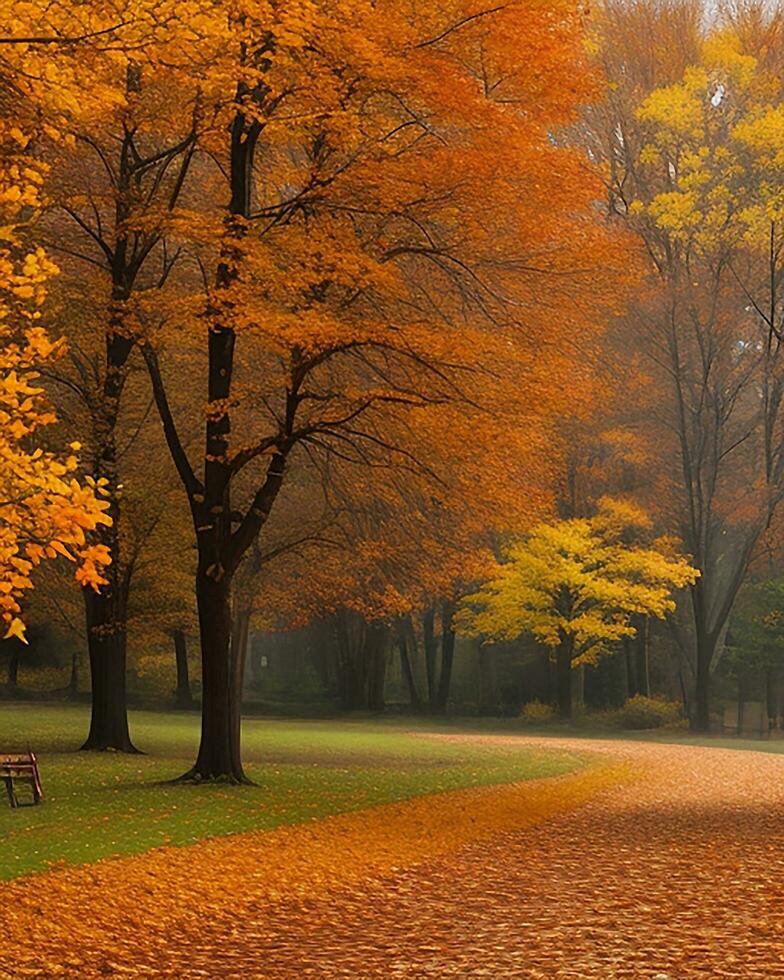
(100, 804)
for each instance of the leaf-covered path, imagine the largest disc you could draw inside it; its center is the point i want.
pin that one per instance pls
(679, 873)
(664, 860)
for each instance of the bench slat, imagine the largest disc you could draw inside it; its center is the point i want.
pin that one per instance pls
(25, 767)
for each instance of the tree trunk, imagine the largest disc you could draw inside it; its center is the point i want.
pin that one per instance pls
(406, 667)
(684, 694)
(107, 645)
(183, 697)
(772, 696)
(221, 545)
(353, 666)
(563, 677)
(73, 681)
(13, 664)
(488, 682)
(429, 638)
(641, 657)
(706, 646)
(219, 748)
(447, 655)
(578, 687)
(376, 654)
(106, 611)
(631, 681)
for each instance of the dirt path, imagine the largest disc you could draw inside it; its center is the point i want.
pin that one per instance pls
(678, 872)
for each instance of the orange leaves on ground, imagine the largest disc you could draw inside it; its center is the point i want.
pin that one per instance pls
(173, 899)
(632, 886)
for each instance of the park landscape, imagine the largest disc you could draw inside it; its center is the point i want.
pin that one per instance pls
(391, 478)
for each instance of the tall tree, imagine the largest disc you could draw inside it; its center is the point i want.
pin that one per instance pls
(693, 163)
(44, 510)
(114, 183)
(397, 220)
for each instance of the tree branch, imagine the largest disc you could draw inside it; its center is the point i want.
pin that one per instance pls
(461, 23)
(180, 457)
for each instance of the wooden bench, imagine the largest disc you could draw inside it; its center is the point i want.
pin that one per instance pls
(15, 768)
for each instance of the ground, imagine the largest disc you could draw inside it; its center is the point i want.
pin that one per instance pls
(654, 860)
(99, 805)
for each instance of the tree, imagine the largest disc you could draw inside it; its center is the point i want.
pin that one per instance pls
(113, 182)
(398, 227)
(755, 644)
(45, 512)
(690, 145)
(574, 586)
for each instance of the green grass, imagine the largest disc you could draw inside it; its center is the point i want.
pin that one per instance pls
(103, 804)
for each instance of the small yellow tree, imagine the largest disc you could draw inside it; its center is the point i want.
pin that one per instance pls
(574, 585)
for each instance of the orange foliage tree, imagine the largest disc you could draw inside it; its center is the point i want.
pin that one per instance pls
(399, 233)
(391, 549)
(44, 510)
(130, 125)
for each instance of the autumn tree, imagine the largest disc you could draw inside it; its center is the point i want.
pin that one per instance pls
(689, 142)
(390, 545)
(45, 512)
(574, 585)
(398, 225)
(129, 127)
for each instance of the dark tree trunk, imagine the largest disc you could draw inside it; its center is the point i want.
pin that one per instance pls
(377, 635)
(73, 680)
(563, 677)
(702, 691)
(183, 697)
(772, 696)
(12, 674)
(106, 640)
(221, 548)
(447, 655)
(362, 661)
(106, 612)
(684, 694)
(219, 749)
(350, 632)
(641, 657)
(706, 647)
(106, 627)
(406, 667)
(631, 680)
(429, 639)
(488, 681)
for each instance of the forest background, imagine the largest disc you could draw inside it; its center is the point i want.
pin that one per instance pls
(384, 354)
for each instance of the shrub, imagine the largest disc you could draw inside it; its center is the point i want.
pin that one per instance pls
(640, 712)
(536, 713)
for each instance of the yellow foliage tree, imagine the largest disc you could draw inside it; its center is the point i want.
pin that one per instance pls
(715, 156)
(44, 510)
(709, 205)
(574, 585)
